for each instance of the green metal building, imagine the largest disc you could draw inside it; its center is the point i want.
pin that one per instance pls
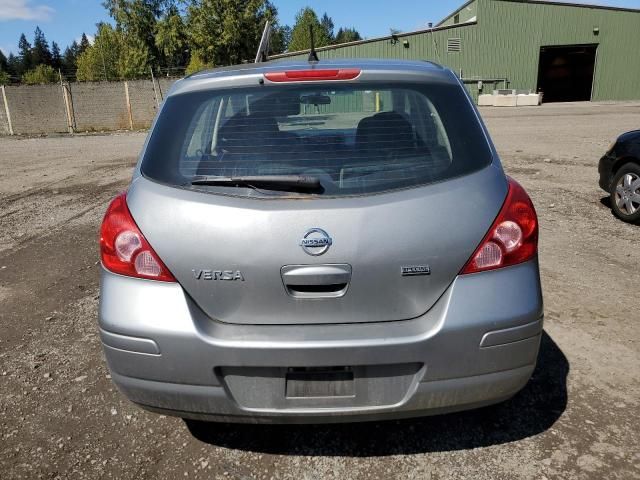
(570, 52)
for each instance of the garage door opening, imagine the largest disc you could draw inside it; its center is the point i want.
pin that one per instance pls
(565, 73)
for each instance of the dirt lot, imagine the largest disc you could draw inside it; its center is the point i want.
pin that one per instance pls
(60, 416)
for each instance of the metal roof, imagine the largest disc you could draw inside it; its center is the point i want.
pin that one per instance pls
(575, 4)
(374, 39)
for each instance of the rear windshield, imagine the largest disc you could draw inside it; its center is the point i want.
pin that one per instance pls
(354, 138)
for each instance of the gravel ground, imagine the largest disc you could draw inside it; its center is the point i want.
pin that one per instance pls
(61, 417)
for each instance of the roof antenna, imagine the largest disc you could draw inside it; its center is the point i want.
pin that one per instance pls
(313, 56)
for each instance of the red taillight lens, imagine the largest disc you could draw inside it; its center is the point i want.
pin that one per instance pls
(123, 248)
(313, 75)
(513, 237)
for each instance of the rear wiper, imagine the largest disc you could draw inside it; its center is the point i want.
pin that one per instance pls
(296, 183)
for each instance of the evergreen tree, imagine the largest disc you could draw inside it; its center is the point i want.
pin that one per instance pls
(70, 58)
(133, 60)
(138, 20)
(347, 35)
(56, 59)
(40, 54)
(84, 44)
(4, 66)
(100, 60)
(226, 32)
(14, 66)
(196, 65)
(3, 62)
(171, 39)
(300, 35)
(280, 38)
(114, 55)
(327, 24)
(24, 52)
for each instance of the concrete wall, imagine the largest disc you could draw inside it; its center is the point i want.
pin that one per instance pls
(143, 103)
(99, 106)
(37, 108)
(93, 106)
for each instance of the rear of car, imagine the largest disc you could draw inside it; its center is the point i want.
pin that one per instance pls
(320, 243)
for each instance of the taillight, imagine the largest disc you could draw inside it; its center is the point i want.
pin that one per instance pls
(313, 75)
(513, 237)
(123, 248)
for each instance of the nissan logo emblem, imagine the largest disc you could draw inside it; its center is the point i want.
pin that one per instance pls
(316, 242)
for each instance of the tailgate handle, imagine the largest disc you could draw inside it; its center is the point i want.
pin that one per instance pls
(316, 281)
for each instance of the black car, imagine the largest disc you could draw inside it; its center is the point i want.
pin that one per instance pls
(620, 176)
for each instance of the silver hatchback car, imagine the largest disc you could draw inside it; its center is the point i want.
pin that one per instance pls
(319, 242)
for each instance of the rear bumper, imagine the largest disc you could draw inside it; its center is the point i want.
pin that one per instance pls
(211, 403)
(476, 346)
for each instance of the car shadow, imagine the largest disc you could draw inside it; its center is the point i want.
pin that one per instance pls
(532, 411)
(606, 201)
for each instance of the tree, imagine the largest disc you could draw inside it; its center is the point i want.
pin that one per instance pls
(100, 60)
(226, 32)
(24, 52)
(196, 64)
(347, 35)
(327, 25)
(133, 60)
(280, 38)
(70, 58)
(40, 74)
(4, 69)
(84, 44)
(171, 39)
(114, 55)
(14, 65)
(40, 53)
(300, 37)
(56, 58)
(138, 19)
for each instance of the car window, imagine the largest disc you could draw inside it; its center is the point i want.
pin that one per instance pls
(356, 139)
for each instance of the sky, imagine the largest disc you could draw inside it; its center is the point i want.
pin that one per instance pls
(63, 21)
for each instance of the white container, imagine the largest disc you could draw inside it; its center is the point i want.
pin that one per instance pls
(486, 100)
(530, 100)
(506, 101)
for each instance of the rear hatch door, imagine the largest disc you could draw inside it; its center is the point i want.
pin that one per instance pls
(238, 258)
